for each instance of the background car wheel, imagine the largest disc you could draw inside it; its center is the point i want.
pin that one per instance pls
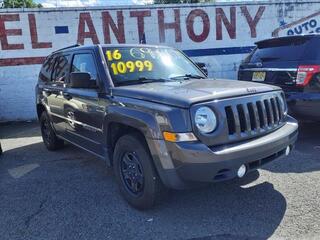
(51, 141)
(136, 176)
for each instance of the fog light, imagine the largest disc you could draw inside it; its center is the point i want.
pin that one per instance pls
(242, 171)
(288, 150)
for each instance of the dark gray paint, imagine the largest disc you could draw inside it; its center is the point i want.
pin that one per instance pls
(156, 107)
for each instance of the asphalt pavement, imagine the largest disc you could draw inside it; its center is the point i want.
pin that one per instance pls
(70, 194)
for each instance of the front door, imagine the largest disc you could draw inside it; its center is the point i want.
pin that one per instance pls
(83, 108)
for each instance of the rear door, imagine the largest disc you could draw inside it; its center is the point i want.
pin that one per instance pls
(276, 61)
(54, 91)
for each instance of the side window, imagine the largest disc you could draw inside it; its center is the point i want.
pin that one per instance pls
(46, 70)
(84, 62)
(60, 68)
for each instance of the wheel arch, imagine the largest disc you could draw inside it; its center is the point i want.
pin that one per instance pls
(40, 109)
(117, 125)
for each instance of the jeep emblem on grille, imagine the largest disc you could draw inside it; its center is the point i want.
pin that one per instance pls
(251, 90)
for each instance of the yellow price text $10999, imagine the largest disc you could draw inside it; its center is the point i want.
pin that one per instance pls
(131, 66)
(122, 67)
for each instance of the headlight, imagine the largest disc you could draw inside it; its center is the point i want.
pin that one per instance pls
(206, 120)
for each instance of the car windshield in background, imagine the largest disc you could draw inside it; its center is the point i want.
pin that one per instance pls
(134, 65)
(278, 50)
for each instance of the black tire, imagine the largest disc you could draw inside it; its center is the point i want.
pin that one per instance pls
(132, 151)
(50, 139)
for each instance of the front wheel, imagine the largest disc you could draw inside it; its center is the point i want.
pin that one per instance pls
(136, 176)
(51, 141)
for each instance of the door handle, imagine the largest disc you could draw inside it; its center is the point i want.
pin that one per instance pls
(47, 91)
(67, 96)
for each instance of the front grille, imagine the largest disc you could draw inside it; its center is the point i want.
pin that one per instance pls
(254, 117)
(244, 117)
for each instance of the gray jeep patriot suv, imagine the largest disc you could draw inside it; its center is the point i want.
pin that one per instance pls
(154, 116)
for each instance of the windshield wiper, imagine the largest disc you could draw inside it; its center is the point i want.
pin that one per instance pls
(148, 80)
(142, 80)
(188, 76)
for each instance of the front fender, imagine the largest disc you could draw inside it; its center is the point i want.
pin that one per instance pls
(148, 117)
(151, 119)
(143, 121)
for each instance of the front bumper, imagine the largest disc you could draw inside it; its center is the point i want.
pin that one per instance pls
(180, 164)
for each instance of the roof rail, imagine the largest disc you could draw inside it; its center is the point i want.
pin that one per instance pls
(72, 46)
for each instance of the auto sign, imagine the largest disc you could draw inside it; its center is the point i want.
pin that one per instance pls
(306, 25)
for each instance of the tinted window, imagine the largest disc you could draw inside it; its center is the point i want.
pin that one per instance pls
(46, 70)
(61, 68)
(84, 63)
(279, 50)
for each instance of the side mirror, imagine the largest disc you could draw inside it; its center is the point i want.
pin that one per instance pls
(80, 80)
(203, 67)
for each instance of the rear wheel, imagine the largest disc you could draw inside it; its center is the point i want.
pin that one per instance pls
(51, 141)
(136, 176)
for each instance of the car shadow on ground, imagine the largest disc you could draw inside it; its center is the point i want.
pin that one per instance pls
(230, 210)
(12, 130)
(72, 193)
(305, 156)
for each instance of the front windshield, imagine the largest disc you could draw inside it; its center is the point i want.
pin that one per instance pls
(134, 65)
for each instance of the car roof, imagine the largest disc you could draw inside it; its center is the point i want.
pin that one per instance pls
(291, 37)
(78, 47)
(134, 45)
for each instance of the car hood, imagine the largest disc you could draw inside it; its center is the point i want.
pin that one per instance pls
(187, 92)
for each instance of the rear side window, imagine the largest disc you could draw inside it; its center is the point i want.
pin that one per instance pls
(84, 62)
(279, 50)
(61, 68)
(46, 70)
